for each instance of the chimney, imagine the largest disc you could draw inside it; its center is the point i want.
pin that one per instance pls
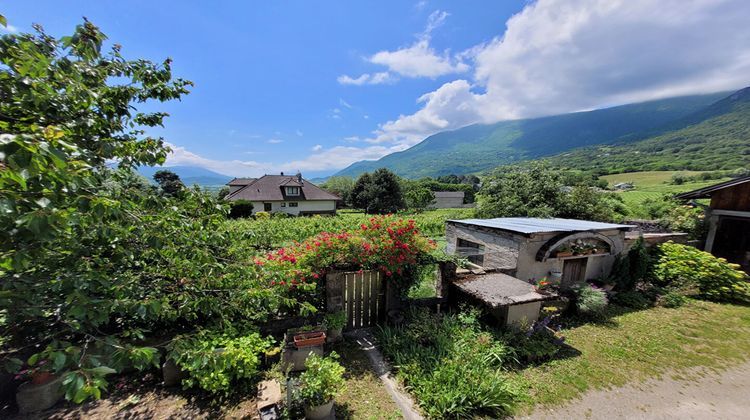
(299, 177)
(282, 174)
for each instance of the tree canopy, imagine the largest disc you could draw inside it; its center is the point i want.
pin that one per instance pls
(378, 193)
(537, 191)
(93, 259)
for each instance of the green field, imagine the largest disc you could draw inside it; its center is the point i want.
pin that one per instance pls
(654, 185)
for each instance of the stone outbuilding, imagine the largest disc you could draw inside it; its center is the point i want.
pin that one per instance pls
(530, 249)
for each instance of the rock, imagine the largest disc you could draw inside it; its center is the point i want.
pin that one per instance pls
(31, 398)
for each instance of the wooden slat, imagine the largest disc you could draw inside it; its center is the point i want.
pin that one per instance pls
(367, 283)
(349, 300)
(374, 299)
(381, 298)
(358, 300)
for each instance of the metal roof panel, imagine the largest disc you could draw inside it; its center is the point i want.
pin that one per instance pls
(529, 225)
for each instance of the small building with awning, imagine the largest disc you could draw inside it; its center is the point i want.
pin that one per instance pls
(728, 217)
(512, 254)
(531, 248)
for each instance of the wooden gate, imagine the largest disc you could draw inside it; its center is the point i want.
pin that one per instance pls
(360, 294)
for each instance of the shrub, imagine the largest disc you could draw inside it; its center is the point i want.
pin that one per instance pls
(262, 215)
(632, 267)
(534, 343)
(322, 381)
(335, 320)
(590, 300)
(450, 364)
(632, 299)
(683, 267)
(279, 215)
(393, 246)
(213, 361)
(240, 208)
(673, 299)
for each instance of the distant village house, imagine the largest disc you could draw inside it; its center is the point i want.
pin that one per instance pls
(293, 195)
(448, 200)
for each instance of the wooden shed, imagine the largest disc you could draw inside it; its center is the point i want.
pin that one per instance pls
(729, 219)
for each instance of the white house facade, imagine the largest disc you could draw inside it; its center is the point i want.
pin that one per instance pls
(293, 195)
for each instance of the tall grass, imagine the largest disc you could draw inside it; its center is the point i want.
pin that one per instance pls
(451, 365)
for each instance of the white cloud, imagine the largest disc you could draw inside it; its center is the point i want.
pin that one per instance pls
(367, 79)
(339, 157)
(416, 60)
(181, 156)
(419, 60)
(317, 148)
(434, 21)
(345, 104)
(559, 56)
(352, 139)
(275, 141)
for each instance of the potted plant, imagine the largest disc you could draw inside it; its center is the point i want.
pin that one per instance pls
(320, 384)
(564, 251)
(335, 322)
(42, 389)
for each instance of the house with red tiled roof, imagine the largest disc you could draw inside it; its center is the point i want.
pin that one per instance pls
(289, 194)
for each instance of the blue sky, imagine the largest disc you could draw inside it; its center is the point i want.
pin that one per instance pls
(315, 86)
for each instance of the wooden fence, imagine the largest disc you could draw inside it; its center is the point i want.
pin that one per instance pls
(361, 294)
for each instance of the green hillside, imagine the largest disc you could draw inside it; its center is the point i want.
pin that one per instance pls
(653, 185)
(720, 142)
(480, 147)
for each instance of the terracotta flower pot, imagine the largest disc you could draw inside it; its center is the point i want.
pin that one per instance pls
(310, 339)
(563, 254)
(41, 378)
(319, 412)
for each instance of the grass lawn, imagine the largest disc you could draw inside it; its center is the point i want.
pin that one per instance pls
(364, 397)
(633, 346)
(653, 184)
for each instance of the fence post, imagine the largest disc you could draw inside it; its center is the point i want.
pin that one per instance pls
(334, 291)
(446, 275)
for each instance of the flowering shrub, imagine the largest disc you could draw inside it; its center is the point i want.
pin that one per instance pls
(681, 267)
(384, 243)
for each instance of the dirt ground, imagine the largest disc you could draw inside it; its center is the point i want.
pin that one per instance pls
(705, 395)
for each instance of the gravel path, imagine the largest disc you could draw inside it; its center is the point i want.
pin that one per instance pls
(723, 395)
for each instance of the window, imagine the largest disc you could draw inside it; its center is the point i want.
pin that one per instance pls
(267, 207)
(292, 190)
(283, 204)
(473, 251)
(293, 204)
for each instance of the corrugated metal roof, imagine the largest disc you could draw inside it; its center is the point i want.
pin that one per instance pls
(528, 225)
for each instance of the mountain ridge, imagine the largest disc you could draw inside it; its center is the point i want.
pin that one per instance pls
(476, 148)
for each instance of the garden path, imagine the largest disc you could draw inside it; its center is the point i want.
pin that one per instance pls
(366, 341)
(706, 395)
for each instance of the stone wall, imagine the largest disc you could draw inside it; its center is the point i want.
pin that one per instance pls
(500, 249)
